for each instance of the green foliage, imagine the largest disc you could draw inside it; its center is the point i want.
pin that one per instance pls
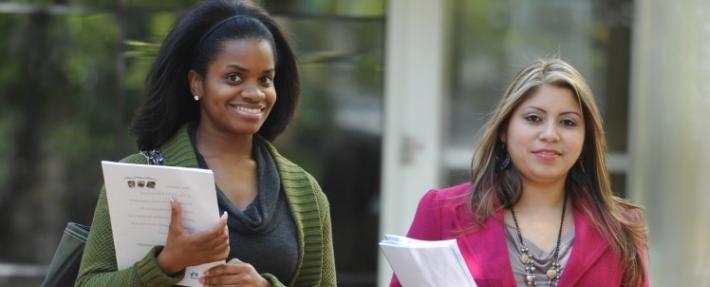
(141, 50)
(359, 8)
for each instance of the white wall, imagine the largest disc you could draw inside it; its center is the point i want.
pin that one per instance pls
(670, 136)
(414, 93)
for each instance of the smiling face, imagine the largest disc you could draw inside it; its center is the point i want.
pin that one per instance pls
(237, 92)
(545, 134)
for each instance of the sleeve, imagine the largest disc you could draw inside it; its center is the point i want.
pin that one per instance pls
(635, 215)
(426, 224)
(98, 264)
(328, 264)
(273, 281)
(328, 277)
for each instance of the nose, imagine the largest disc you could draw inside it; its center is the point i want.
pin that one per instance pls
(252, 92)
(549, 132)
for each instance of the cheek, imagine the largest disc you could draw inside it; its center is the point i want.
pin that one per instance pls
(518, 135)
(577, 142)
(271, 97)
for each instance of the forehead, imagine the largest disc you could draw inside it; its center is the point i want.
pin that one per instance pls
(246, 53)
(552, 98)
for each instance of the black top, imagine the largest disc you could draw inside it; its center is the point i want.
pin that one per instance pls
(264, 234)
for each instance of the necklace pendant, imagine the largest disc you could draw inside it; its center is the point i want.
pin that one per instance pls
(524, 258)
(530, 280)
(551, 273)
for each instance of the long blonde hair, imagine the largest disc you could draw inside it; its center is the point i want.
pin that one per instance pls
(588, 183)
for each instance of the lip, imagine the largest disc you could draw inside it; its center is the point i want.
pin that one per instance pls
(547, 154)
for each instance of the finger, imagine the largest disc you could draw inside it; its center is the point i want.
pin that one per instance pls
(215, 243)
(224, 280)
(220, 253)
(215, 231)
(241, 267)
(231, 267)
(210, 249)
(223, 247)
(175, 215)
(221, 270)
(218, 229)
(234, 261)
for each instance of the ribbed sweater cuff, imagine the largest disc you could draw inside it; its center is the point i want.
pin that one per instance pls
(149, 272)
(272, 280)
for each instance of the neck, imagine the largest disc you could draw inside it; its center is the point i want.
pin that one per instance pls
(212, 142)
(541, 196)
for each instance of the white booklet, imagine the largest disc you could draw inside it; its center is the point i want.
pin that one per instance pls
(421, 263)
(139, 206)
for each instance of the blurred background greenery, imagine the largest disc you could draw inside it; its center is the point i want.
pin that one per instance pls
(72, 74)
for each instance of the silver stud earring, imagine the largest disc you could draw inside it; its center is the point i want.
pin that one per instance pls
(196, 98)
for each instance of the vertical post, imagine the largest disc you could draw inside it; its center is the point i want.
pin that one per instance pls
(669, 136)
(120, 69)
(414, 96)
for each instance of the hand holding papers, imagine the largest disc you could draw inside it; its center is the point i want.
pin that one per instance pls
(420, 263)
(139, 206)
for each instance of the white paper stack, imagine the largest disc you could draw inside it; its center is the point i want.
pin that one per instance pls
(421, 263)
(138, 198)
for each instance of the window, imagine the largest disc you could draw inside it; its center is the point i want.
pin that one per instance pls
(494, 39)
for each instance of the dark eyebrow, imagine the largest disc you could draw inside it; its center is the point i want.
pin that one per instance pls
(545, 112)
(537, 108)
(240, 68)
(570, 112)
(245, 70)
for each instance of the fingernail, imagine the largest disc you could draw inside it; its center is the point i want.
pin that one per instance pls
(224, 215)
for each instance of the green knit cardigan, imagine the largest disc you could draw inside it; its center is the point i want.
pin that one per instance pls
(309, 208)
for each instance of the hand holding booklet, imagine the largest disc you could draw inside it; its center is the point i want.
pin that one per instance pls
(421, 263)
(139, 206)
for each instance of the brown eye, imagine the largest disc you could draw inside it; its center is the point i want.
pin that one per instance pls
(533, 118)
(568, 123)
(266, 81)
(234, 78)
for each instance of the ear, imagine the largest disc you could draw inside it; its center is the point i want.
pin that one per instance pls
(196, 83)
(503, 136)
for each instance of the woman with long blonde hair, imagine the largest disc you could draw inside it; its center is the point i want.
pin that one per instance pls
(539, 210)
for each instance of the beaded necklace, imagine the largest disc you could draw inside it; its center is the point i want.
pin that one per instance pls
(527, 259)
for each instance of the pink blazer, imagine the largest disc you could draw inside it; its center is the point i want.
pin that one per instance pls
(445, 214)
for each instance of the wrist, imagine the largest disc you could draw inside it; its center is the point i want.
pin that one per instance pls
(265, 282)
(167, 263)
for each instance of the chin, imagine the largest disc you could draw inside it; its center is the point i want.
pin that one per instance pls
(547, 175)
(242, 131)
